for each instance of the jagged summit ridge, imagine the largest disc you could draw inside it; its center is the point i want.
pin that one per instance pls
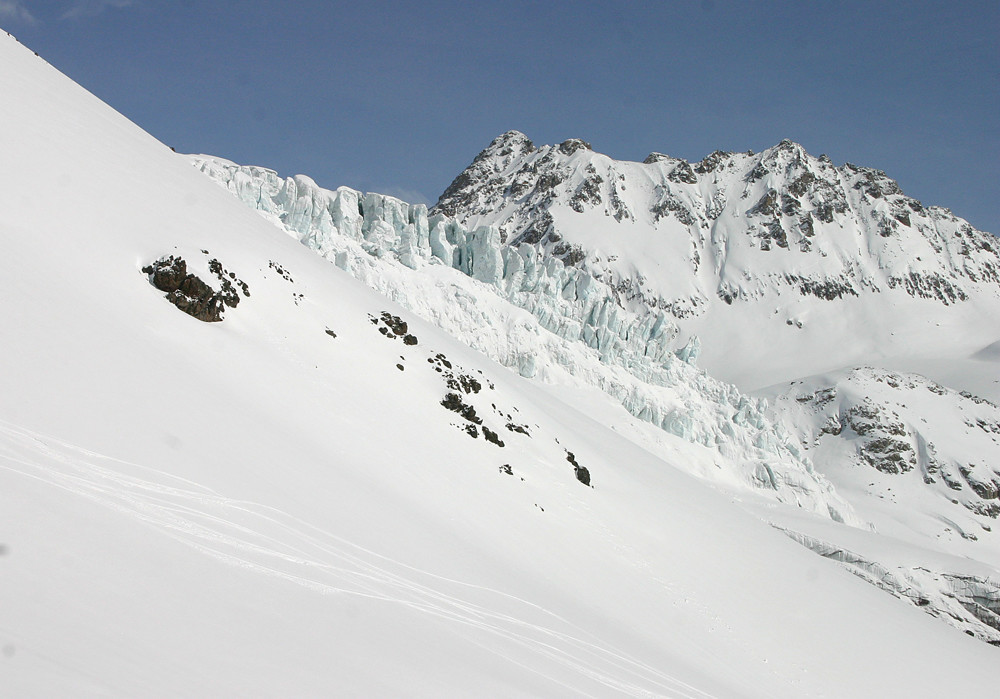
(731, 225)
(787, 240)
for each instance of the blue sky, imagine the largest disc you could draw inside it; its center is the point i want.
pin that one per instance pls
(399, 97)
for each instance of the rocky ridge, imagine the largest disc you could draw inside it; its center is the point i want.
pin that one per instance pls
(908, 429)
(733, 225)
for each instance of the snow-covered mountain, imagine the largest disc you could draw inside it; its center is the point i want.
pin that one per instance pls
(628, 348)
(229, 468)
(742, 244)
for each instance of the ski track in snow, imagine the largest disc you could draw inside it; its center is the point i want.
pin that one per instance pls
(266, 540)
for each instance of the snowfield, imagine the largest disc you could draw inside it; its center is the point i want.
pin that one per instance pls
(325, 493)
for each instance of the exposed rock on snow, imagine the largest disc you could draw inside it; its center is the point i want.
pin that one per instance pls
(582, 474)
(393, 327)
(906, 426)
(192, 295)
(454, 403)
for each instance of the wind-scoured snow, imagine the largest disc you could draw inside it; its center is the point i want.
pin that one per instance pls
(290, 501)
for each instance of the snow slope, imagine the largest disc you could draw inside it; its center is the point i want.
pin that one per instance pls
(260, 507)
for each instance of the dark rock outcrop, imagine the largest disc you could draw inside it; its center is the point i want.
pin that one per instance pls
(582, 474)
(191, 294)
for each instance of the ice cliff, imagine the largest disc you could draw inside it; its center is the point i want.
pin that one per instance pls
(541, 317)
(566, 301)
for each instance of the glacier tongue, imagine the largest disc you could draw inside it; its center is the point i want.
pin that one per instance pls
(571, 329)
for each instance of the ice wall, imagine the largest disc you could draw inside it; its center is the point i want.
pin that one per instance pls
(570, 326)
(566, 301)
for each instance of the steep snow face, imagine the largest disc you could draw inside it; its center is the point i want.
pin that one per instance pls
(781, 237)
(395, 249)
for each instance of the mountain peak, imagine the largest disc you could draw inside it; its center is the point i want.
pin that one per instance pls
(734, 227)
(655, 157)
(787, 152)
(572, 145)
(508, 142)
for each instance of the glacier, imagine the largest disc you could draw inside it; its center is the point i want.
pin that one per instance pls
(574, 330)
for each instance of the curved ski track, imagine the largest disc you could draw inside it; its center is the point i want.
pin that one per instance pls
(268, 541)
